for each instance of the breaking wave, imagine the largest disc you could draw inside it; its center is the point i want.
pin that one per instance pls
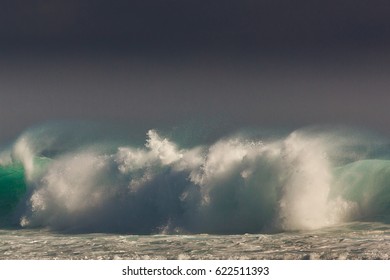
(248, 182)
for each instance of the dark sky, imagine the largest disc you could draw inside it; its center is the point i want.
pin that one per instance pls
(195, 24)
(254, 62)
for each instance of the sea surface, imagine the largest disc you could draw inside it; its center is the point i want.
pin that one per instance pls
(82, 191)
(354, 241)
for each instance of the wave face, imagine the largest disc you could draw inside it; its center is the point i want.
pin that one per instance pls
(310, 178)
(12, 188)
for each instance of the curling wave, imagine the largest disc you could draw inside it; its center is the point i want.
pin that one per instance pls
(308, 179)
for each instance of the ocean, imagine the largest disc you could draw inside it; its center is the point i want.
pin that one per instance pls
(78, 191)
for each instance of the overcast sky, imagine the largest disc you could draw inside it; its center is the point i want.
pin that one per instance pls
(255, 62)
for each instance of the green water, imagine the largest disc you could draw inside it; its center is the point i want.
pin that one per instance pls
(13, 184)
(12, 187)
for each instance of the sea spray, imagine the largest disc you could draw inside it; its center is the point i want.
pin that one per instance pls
(308, 179)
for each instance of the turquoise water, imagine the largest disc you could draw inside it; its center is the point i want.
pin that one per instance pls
(12, 188)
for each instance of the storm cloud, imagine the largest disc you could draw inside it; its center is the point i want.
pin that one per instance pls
(254, 63)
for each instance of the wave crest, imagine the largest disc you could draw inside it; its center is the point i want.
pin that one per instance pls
(305, 180)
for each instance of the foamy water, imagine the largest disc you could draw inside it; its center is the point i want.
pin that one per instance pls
(351, 241)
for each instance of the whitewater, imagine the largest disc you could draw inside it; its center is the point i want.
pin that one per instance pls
(77, 192)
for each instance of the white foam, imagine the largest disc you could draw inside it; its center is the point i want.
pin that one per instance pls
(305, 203)
(234, 185)
(23, 152)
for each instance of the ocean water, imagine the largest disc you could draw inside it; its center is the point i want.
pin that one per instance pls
(77, 192)
(353, 241)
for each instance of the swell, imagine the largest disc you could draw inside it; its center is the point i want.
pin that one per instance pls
(245, 183)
